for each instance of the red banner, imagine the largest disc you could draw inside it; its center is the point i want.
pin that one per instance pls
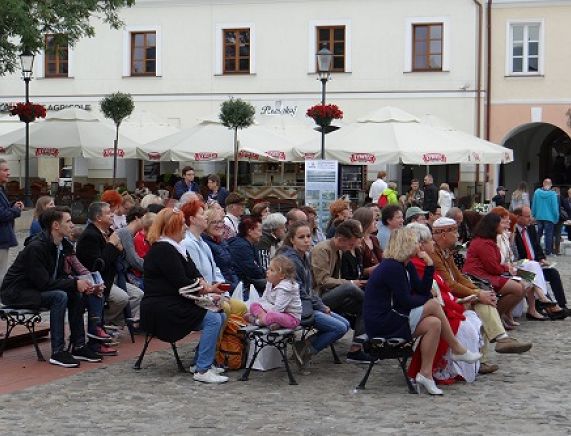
(280, 155)
(154, 155)
(434, 157)
(47, 152)
(205, 156)
(109, 152)
(363, 158)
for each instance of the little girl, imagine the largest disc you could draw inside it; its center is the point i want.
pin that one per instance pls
(280, 306)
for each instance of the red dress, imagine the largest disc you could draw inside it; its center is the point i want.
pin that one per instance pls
(483, 260)
(454, 313)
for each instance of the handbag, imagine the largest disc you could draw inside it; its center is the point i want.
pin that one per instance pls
(563, 215)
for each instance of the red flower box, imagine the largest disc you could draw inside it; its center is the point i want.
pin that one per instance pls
(28, 112)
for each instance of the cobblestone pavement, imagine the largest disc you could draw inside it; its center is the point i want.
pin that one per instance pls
(528, 395)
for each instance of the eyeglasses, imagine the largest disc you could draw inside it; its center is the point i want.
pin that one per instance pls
(216, 223)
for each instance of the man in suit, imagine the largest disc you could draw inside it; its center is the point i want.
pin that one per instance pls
(8, 213)
(528, 247)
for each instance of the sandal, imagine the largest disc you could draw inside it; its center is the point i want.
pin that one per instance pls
(531, 317)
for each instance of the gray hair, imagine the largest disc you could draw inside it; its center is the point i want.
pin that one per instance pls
(421, 230)
(96, 210)
(186, 197)
(273, 221)
(452, 212)
(150, 199)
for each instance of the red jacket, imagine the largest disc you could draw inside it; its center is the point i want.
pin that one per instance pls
(483, 260)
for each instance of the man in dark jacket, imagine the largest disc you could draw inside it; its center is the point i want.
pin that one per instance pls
(8, 213)
(430, 194)
(93, 244)
(186, 184)
(528, 247)
(37, 279)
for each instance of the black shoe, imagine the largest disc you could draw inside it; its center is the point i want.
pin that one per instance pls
(84, 353)
(65, 359)
(359, 357)
(531, 317)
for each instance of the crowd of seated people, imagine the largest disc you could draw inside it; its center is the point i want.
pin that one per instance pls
(372, 275)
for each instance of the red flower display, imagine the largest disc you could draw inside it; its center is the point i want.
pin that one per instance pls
(28, 112)
(322, 114)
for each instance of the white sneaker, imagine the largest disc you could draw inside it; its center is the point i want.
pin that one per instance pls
(210, 377)
(214, 368)
(468, 356)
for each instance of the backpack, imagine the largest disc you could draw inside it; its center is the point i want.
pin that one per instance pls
(383, 200)
(231, 351)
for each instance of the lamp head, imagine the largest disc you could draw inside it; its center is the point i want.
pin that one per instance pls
(324, 63)
(27, 63)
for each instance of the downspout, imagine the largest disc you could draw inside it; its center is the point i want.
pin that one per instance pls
(479, 84)
(488, 82)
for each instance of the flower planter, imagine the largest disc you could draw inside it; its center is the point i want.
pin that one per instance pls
(323, 122)
(27, 118)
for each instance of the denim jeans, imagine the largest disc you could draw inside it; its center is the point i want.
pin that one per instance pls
(330, 328)
(210, 330)
(57, 301)
(94, 307)
(347, 299)
(547, 227)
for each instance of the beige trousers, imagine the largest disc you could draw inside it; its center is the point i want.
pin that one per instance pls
(491, 324)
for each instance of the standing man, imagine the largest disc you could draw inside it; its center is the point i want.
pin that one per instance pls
(8, 213)
(37, 279)
(545, 209)
(378, 186)
(430, 194)
(186, 184)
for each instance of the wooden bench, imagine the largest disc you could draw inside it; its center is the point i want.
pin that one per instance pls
(384, 349)
(25, 317)
(264, 337)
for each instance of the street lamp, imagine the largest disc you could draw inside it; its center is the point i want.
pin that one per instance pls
(324, 65)
(27, 63)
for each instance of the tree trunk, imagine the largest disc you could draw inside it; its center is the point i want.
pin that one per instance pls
(115, 147)
(235, 187)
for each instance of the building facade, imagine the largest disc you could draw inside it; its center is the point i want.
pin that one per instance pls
(181, 59)
(530, 91)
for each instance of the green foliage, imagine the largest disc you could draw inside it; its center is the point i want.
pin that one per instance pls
(117, 106)
(237, 114)
(24, 23)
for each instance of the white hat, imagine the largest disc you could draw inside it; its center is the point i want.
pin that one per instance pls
(443, 224)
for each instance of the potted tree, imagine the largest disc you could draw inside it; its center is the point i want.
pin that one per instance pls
(236, 114)
(117, 107)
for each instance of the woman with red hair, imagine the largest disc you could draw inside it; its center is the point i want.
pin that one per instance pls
(201, 254)
(164, 312)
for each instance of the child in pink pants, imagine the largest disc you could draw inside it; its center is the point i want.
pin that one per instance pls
(280, 306)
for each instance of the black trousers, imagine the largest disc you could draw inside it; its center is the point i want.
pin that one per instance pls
(554, 279)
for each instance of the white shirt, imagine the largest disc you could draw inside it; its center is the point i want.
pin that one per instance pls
(377, 188)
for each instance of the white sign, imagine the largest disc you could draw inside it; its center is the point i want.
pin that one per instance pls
(321, 184)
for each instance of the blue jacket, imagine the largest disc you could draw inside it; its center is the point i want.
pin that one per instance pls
(245, 260)
(35, 227)
(220, 196)
(389, 298)
(223, 260)
(303, 276)
(545, 206)
(8, 214)
(181, 187)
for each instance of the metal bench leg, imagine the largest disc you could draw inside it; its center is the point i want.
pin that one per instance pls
(411, 388)
(177, 358)
(31, 326)
(366, 377)
(246, 374)
(283, 352)
(336, 359)
(9, 327)
(148, 339)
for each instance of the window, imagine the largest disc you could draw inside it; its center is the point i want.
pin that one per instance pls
(524, 51)
(333, 38)
(56, 56)
(427, 47)
(236, 44)
(143, 53)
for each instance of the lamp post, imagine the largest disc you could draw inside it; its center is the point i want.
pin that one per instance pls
(27, 63)
(324, 65)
